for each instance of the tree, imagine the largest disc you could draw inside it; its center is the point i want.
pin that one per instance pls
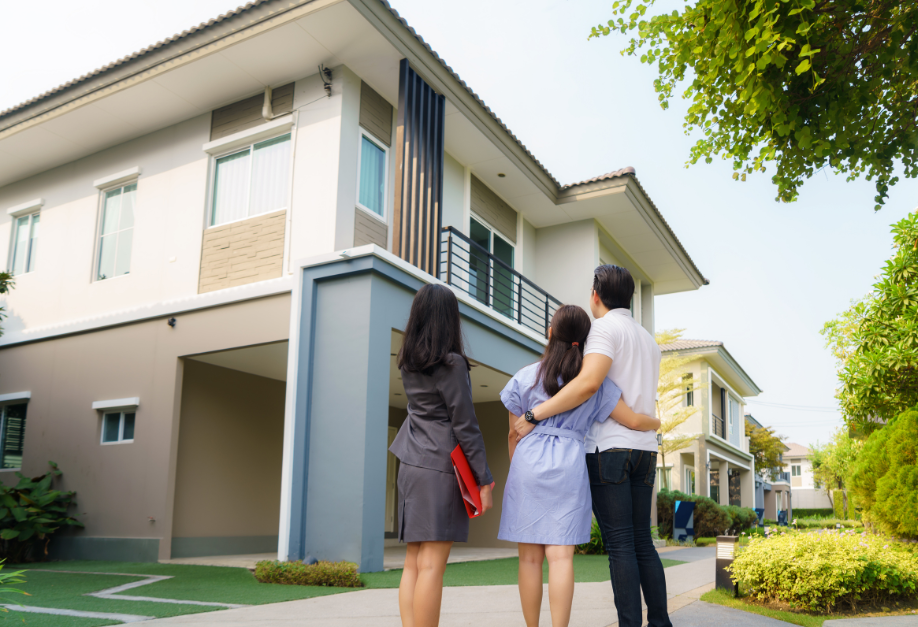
(875, 342)
(832, 462)
(766, 448)
(6, 284)
(671, 391)
(806, 84)
(884, 477)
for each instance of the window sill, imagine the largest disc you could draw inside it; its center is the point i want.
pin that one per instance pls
(2, 470)
(118, 442)
(251, 217)
(250, 135)
(118, 179)
(372, 214)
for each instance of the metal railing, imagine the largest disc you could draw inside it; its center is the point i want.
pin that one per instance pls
(718, 426)
(469, 267)
(783, 476)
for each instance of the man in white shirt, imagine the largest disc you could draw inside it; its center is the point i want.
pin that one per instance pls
(621, 462)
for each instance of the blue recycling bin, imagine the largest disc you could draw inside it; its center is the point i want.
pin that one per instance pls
(760, 512)
(684, 521)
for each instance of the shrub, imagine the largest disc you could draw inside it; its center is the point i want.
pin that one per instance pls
(705, 541)
(800, 512)
(741, 518)
(838, 504)
(826, 523)
(710, 518)
(331, 574)
(821, 570)
(884, 480)
(595, 545)
(30, 513)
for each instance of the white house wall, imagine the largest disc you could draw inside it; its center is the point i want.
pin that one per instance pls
(453, 193)
(567, 255)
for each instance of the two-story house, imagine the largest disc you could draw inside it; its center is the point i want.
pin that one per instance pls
(772, 486)
(717, 463)
(806, 492)
(233, 223)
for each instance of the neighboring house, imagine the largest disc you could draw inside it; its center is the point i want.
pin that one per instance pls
(772, 486)
(798, 465)
(717, 463)
(204, 328)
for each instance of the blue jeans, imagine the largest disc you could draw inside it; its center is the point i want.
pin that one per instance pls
(621, 485)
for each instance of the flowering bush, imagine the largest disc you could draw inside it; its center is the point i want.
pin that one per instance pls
(821, 570)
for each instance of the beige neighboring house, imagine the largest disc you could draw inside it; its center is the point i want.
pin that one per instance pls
(717, 463)
(799, 467)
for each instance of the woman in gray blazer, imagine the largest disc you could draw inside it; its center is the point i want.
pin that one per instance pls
(435, 372)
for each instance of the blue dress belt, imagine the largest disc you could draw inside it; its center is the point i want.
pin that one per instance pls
(562, 433)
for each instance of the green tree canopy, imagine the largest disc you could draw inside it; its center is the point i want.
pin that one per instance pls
(832, 462)
(766, 448)
(875, 342)
(805, 84)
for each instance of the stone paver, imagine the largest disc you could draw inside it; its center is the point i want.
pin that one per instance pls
(885, 621)
(703, 614)
(691, 554)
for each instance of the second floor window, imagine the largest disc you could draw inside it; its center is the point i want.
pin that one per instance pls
(489, 282)
(25, 244)
(118, 427)
(116, 232)
(371, 193)
(252, 181)
(12, 434)
(689, 383)
(795, 470)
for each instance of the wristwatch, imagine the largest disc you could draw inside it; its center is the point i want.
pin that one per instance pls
(530, 417)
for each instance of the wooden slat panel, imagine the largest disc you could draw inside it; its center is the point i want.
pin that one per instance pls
(245, 114)
(375, 114)
(368, 230)
(489, 206)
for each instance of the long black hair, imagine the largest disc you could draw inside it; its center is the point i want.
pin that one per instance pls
(563, 357)
(433, 331)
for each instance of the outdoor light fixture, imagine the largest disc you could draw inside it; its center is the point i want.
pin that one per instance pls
(707, 465)
(171, 322)
(501, 175)
(345, 254)
(326, 76)
(659, 439)
(726, 551)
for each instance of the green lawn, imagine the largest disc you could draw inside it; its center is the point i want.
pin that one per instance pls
(502, 572)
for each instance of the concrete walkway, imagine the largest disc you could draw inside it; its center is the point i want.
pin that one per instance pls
(482, 606)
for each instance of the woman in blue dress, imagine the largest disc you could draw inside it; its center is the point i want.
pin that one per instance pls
(546, 506)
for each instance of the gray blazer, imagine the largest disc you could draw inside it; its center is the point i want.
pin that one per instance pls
(441, 415)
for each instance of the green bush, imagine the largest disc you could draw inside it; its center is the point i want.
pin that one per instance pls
(710, 518)
(595, 545)
(838, 504)
(705, 541)
(826, 523)
(800, 512)
(820, 571)
(30, 513)
(742, 518)
(331, 574)
(884, 480)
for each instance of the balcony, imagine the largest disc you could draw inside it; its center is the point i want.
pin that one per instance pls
(783, 476)
(467, 266)
(718, 426)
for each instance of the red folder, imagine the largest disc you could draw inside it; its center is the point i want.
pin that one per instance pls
(471, 495)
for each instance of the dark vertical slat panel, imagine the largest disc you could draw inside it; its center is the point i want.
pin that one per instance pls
(419, 174)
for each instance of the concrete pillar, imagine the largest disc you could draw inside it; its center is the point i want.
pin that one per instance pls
(724, 483)
(747, 488)
(702, 481)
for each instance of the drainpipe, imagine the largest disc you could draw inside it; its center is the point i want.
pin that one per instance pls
(267, 111)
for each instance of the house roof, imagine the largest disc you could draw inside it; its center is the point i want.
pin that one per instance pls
(796, 450)
(683, 345)
(214, 29)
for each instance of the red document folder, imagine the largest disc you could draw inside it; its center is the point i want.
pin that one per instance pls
(471, 495)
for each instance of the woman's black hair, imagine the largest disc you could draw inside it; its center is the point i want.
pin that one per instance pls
(563, 357)
(433, 331)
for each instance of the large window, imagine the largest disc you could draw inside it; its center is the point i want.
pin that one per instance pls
(491, 282)
(735, 427)
(118, 427)
(116, 232)
(12, 434)
(25, 243)
(252, 181)
(795, 470)
(371, 191)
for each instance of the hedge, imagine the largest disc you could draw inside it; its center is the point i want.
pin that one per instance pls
(800, 512)
(332, 574)
(823, 570)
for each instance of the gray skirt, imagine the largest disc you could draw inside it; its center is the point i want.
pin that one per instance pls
(430, 506)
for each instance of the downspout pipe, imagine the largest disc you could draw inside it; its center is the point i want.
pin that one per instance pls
(267, 111)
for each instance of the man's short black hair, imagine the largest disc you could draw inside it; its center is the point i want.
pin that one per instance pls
(614, 285)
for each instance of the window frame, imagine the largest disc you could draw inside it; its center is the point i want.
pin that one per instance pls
(493, 232)
(100, 223)
(212, 192)
(688, 389)
(384, 218)
(13, 240)
(3, 406)
(121, 413)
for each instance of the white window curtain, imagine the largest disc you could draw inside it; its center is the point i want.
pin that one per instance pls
(117, 232)
(372, 176)
(252, 181)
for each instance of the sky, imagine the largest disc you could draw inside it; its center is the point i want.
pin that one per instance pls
(778, 272)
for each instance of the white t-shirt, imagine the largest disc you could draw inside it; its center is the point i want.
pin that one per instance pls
(635, 369)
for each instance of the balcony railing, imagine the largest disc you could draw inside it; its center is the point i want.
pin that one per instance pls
(472, 269)
(783, 476)
(718, 426)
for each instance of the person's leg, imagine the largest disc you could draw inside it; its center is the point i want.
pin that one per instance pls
(610, 490)
(428, 592)
(407, 585)
(653, 579)
(531, 558)
(560, 583)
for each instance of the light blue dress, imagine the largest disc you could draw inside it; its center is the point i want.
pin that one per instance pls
(547, 496)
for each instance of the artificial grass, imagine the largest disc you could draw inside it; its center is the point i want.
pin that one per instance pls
(24, 619)
(502, 572)
(725, 598)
